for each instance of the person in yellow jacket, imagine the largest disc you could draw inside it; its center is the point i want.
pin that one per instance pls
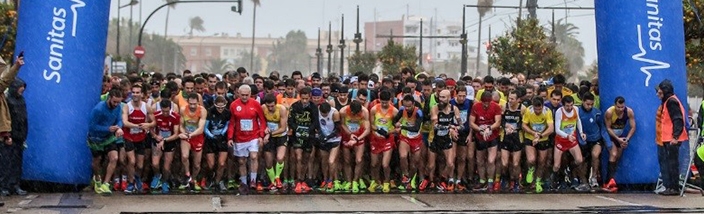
(558, 83)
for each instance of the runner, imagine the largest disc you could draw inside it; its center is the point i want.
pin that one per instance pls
(137, 118)
(597, 138)
(341, 99)
(485, 120)
(618, 118)
(408, 122)
(302, 121)
(105, 133)
(188, 84)
(329, 146)
(248, 123)
(216, 142)
(445, 119)
(537, 127)
(464, 141)
(569, 130)
(382, 140)
(166, 135)
(275, 141)
(428, 98)
(511, 146)
(193, 118)
(355, 129)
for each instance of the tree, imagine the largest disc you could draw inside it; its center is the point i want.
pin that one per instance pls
(362, 61)
(218, 66)
(8, 30)
(168, 11)
(161, 52)
(289, 54)
(567, 43)
(526, 49)
(394, 56)
(693, 35)
(244, 58)
(484, 7)
(196, 23)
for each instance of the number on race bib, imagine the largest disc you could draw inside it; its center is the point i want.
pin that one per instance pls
(247, 125)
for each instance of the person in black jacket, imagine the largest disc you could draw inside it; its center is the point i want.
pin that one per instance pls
(11, 155)
(671, 133)
(303, 121)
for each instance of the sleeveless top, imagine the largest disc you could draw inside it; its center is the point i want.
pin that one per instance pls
(410, 121)
(339, 105)
(327, 126)
(191, 119)
(513, 118)
(442, 130)
(568, 124)
(353, 122)
(136, 116)
(383, 121)
(273, 119)
(618, 125)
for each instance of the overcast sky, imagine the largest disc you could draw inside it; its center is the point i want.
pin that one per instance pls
(277, 17)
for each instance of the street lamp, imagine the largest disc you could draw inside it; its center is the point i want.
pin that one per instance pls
(119, 20)
(238, 9)
(342, 46)
(329, 49)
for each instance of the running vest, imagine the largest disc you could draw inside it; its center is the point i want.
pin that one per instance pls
(273, 119)
(568, 124)
(191, 119)
(383, 121)
(136, 116)
(327, 126)
(353, 122)
(618, 125)
(514, 118)
(442, 130)
(165, 122)
(464, 112)
(409, 122)
(339, 105)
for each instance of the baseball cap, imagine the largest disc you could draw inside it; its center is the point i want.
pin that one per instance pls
(316, 92)
(370, 84)
(353, 79)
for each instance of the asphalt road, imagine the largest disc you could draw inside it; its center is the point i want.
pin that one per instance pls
(87, 202)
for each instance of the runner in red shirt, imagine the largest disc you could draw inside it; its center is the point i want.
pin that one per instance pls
(485, 120)
(165, 136)
(249, 124)
(135, 127)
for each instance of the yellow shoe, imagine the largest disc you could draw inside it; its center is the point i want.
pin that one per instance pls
(373, 186)
(387, 188)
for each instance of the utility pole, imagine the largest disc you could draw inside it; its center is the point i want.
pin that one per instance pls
(488, 54)
(329, 50)
(463, 41)
(318, 54)
(342, 46)
(479, 43)
(420, 53)
(357, 35)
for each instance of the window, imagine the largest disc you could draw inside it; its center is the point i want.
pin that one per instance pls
(439, 43)
(208, 52)
(194, 52)
(439, 56)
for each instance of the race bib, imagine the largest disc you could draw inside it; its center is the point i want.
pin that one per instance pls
(569, 129)
(354, 127)
(165, 134)
(463, 116)
(442, 132)
(247, 125)
(538, 127)
(191, 129)
(411, 134)
(302, 131)
(515, 126)
(136, 130)
(272, 126)
(618, 132)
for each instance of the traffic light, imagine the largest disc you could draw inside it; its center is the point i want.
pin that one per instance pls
(237, 8)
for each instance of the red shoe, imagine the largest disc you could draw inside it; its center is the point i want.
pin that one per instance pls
(145, 187)
(278, 183)
(260, 187)
(117, 186)
(323, 185)
(423, 185)
(497, 185)
(305, 187)
(450, 186)
(299, 188)
(611, 186)
(124, 185)
(271, 187)
(203, 183)
(460, 187)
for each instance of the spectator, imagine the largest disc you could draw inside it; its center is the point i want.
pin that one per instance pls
(7, 76)
(670, 133)
(18, 110)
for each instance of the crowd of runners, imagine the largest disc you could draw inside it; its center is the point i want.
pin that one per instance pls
(359, 133)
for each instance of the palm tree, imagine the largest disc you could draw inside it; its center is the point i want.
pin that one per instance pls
(196, 23)
(218, 66)
(168, 10)
(564, 31)
(567, 43)
(254, 24)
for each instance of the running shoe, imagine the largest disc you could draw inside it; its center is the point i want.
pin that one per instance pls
(491, 187)
(260, 187)
(611, 186)
(305, 187)
(459, 185)
(496, 187)
(582, 188)
(387, 188)
(156, 182)
(130, 188)
(330, 188)
(373, 186)
(362, 185)
(243, 189)
(423, 184)
(538, 187)
(442, 186)
(529, 176)
(355, 187)
(299, 188)
(450, 186)
(231, 184)
(221, 186)
(105, 188)
(347, 186)
(117, 186)
(277, 183)
(165, 188)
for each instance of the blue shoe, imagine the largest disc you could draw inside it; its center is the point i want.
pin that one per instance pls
(138, 184)
(165, 188)
(156, 182)
(130, 188)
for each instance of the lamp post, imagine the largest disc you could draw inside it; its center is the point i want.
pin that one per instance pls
(119, 21)
(342, 46)
(358, 35)
(141, 30)
(329, 49)
(318, 54)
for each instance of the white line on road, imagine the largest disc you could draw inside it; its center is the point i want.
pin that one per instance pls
(413, 200)
(217, 203)
(618, 201)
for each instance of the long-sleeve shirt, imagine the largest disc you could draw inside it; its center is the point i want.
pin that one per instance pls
(217, 123)
(594, 126)
(300, 116)
(247, 121)
(101, 119)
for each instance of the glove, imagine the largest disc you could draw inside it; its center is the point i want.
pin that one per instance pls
(382, 133)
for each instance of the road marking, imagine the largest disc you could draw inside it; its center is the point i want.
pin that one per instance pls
(618, 201)
(24, 202)
(415, 201)
(217, 203)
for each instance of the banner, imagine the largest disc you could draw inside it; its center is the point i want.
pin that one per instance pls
(64, 48)
(640, 43)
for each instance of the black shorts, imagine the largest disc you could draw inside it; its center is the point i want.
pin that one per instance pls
(541, 146)
(215, 145)
(304, 143)
(105, 150)
(440, 144)
(169, 146)
(587, 148)
(462, 139)
(484, 145)
(511, 144)
(274, 143)
(137, 147)
(327, 146)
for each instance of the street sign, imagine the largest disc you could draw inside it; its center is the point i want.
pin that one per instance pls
(139, 52)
